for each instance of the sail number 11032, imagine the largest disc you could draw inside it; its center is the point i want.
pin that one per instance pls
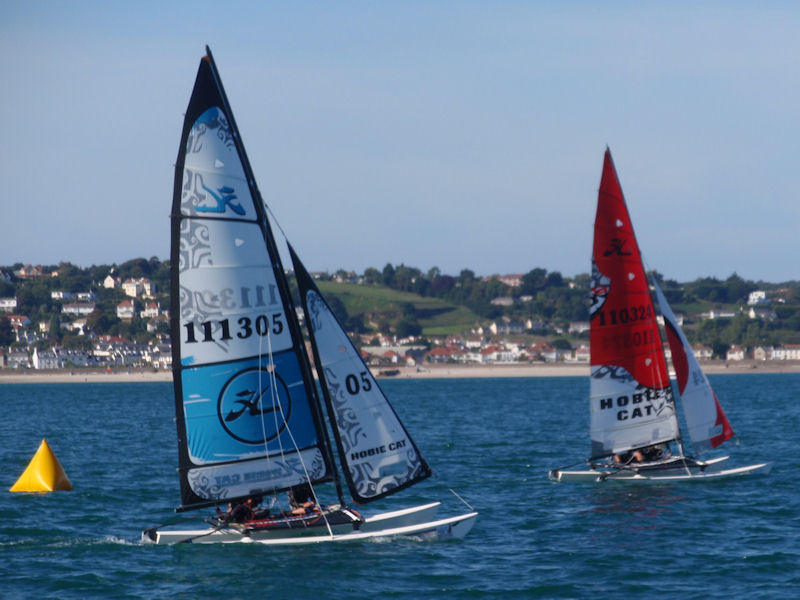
(244, 327)
(624, 315)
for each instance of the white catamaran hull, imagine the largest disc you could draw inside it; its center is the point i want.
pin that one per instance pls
(408, 521)
(673, 470)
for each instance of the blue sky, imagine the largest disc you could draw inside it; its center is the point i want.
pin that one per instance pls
(448, 134)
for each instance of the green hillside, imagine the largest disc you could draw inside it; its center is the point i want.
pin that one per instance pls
(376, 303)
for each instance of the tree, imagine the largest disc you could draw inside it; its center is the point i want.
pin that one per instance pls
(388, 275)
(554, 279)
(372, 276)
(408, 326)
(533, 281)
(337, 308)
(6, 331)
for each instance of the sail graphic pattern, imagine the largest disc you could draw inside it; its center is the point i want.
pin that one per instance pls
(246, 422)
(377, 452)
(708, 426)
(630, 398)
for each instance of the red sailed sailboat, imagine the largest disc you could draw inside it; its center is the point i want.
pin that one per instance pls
(633, 411)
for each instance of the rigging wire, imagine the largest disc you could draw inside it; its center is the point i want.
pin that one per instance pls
(278, 407)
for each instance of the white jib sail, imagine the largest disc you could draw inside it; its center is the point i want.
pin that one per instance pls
(707, 424)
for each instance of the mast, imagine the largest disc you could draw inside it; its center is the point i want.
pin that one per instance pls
(377, 454)
(247, 414)
(631, 401)
(283, 283)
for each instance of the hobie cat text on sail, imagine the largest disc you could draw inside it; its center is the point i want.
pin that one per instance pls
(636, 405)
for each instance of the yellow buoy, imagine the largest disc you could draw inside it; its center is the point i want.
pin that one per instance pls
(44, 473)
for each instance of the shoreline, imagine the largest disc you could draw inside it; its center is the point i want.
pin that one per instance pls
(433, 371)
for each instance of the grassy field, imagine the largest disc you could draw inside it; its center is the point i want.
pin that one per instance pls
(436, 316)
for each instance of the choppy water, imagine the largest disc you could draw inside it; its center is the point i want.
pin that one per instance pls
(491, 440)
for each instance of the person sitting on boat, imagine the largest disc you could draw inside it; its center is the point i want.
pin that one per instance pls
(628, 457)
(301, 499)
(655, 452)
(240, 513)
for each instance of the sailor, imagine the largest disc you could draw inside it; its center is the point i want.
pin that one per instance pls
(655, 452)
(241, 512)
(629, 457)
(301, 499)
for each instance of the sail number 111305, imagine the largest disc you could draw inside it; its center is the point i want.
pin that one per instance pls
(243, 328)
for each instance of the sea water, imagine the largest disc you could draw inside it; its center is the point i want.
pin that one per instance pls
(490, 440)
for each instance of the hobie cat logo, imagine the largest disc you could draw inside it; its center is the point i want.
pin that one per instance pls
(254, 406)
(224, 197)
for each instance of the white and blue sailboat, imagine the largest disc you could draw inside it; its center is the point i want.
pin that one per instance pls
(249, 417)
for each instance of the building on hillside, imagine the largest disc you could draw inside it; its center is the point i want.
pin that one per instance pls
(8, 304)
(61, 295)
(762, 353)
(151, 309)
(502, 301)
(141, 286)
(512, 280)
(786, 352)
(111, 282)
(578, 327)
(18, 358)
(29, 272)
(126, 310)
(719, 314)
(735, 353)
(83, 309)
(702, 352)
(757, 297)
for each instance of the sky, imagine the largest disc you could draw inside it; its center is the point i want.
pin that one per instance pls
(457, 135)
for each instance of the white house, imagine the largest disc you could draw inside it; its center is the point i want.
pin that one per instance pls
(151, 309)
(78, 308)
(735, 353)
(578, 327)
(61, 295)
(787, 352)
(702, 352)
(721, 314)
(8, 304)
(125, 310)
(138, 287)
(762, 352)
(757, 297)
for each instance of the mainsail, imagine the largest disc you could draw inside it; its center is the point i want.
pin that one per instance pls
(630, 397)
(247, 415)
(707, 424)
(377, 453)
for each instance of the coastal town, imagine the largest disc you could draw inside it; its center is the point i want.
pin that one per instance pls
(499, 341)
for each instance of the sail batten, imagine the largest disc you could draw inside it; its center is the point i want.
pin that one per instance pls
(631, 401)
(247, 416)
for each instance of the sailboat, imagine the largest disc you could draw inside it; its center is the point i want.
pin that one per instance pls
(250, 420)
(634, 420)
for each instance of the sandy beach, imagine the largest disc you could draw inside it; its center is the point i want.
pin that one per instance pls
(445, 371)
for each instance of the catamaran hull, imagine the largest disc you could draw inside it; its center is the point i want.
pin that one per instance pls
(672, 471)
(376, 524)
